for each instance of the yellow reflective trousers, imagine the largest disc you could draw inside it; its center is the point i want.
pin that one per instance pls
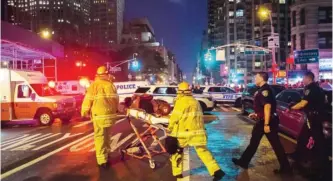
(186, 123)
(203, 153)
(101, 103)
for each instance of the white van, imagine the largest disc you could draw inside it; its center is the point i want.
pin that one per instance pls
(25, 96)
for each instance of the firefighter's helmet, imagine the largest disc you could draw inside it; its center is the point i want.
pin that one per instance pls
(102, 70)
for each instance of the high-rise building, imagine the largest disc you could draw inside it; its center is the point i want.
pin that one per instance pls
(67, 20)
(237, 21)
(87, 23)
(106, 23)
(311, 28)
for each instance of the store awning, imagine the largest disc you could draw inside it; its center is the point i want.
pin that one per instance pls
(21, 44)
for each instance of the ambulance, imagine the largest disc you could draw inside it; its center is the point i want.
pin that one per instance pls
(79, 87)
(26, 96)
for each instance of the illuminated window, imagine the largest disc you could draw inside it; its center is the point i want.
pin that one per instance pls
(231, 13)
(239, 13)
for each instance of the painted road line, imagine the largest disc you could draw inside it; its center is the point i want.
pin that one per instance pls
(236, 109)
(82, 124)
(17, 169)
(224, 109)
(89, 122)
(186, 165)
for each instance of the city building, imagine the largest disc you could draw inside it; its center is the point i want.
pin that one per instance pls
(139, 34)
(65, 21)
(238, 22)
(87, 23)
(106, 23)
(311, 28)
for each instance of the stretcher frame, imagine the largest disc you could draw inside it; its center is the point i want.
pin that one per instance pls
(141, 138)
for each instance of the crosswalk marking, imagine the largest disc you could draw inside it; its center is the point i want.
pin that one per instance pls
(227, 108)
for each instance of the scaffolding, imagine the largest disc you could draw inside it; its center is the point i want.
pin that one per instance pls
(17, 56)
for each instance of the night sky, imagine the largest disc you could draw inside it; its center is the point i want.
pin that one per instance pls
(179, 22)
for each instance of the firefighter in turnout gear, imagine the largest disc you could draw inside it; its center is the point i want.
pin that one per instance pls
(187, 125)
(100, 103)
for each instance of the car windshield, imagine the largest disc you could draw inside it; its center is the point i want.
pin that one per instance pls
(142, 90)
(44, 90)
(198, 91)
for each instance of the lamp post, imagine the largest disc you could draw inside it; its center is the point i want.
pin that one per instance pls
(46, 34)
(265, 13)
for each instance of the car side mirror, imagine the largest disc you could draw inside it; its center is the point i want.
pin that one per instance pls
(33, 96)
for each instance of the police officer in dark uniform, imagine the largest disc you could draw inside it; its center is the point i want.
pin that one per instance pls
(313, 104)
(266, 124)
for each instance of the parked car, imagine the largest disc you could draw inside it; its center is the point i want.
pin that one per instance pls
(248, 96)
(168, 93)
(292, 121)
(221, 94)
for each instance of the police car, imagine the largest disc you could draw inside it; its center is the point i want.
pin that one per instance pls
(222, 94)
(168, 93)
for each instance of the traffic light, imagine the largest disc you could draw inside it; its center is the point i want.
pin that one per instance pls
(135, 66)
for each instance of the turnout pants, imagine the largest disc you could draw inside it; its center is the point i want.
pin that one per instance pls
(203, 153)
(273, 138)
(102, 142)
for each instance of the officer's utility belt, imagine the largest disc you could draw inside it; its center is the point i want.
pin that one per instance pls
(272, 118)
(313, 113)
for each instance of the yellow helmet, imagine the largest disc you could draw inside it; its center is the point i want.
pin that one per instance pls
(184, 88)
(102, 70)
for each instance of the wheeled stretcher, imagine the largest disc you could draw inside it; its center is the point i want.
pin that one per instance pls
(156, 130)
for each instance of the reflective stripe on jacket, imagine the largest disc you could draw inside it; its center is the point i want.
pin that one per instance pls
(186, 122)
(101, 102)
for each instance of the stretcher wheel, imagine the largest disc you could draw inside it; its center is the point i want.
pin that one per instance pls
(122, 155)
(152, 164)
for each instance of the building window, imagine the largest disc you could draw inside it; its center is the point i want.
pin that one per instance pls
(282, 1)
(294, 42)
(325, 40)
(231, 13)
(302, 17)
(325, 14)
(302, 41)
(294, 18)
(240, 13)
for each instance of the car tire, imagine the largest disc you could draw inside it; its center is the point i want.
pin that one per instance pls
(238, 102)
(203, 106)
(45, 117)
(244, 112)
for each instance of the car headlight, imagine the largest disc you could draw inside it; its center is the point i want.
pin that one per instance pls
(57, 105)
(327, 129)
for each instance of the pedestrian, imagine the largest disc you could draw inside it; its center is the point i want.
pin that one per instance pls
(313, 104)
(266, 124)
(100, 103)
(187, 125)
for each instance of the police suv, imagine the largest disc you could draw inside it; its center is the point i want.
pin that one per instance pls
(222, 94)
(168, 93)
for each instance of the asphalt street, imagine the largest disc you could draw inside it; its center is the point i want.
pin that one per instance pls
(66, 152)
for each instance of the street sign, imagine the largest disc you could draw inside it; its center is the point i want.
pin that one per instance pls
(306, 56)
(273, 42)
(254, 52)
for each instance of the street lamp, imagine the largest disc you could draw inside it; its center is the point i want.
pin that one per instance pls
(264, 14)
(46, 34)
(80, 64)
